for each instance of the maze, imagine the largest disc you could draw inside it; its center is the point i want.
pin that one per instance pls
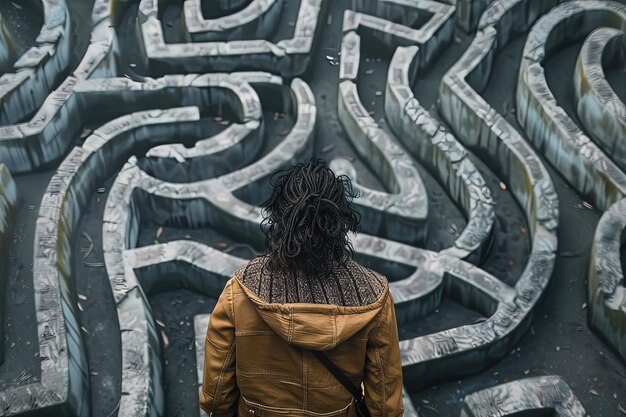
(485, 137)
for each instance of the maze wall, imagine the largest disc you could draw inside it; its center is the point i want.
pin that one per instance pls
(486, 138)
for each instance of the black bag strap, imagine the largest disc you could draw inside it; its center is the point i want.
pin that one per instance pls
(357, 393)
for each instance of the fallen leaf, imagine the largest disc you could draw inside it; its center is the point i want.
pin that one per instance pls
(166, 340)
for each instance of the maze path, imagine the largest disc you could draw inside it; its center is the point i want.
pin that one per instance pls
(429, 141)
(26, 146)
(8, 203)
(289, 57)
(257, 20)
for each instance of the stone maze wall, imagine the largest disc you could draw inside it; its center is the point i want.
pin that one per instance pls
(148, 129)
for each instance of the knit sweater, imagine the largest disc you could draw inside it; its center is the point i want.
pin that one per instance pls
(348, 285)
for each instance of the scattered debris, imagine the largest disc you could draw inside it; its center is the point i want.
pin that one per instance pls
(132, 65)
(378, 93)
(86, 133)
(17, 6)
(101, 190)
(242, 246)
(159, 232)
(594, 392)
(369, 72)
(90, 248)
(23, 376)
(93, 373)
(431, 409)
(160, 323)
(584, 306)
(587, 205)
(527, 371)
(570, 254)
(558, 348)
(329, 20)
(532, 330)
(166, 340)
(505, 107)
(502, 185)
(84, 329)
(328, 148)
(94, 264)
(82, 297)
(621, 409)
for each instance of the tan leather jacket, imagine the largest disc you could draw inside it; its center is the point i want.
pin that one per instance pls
(256, 363)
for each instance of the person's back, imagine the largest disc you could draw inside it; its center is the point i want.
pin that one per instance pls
(304, 295)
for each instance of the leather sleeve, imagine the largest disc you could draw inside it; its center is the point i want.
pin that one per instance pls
(383, 368)
(220, 394)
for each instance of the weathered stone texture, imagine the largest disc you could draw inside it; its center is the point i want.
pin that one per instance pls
(600, 110)
(288, 57)
(429, 141)
(547, 125)
(607, 288)
(479, 125)
(26, 146)
(539, 395)
(255, 21)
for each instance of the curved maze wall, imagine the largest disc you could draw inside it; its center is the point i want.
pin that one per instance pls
(137, 138)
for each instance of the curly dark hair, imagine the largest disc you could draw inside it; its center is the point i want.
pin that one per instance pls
(307, 218)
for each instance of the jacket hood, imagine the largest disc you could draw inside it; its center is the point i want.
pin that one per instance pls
(315, 326)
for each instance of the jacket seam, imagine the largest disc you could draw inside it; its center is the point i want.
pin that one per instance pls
(220, 380)
(305, 376)
(383, 389)
(290, 335)
(259, 374)
(232, 302)
(255, 332)
(267, 408)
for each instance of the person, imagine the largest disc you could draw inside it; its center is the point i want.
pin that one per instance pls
(304, 294)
